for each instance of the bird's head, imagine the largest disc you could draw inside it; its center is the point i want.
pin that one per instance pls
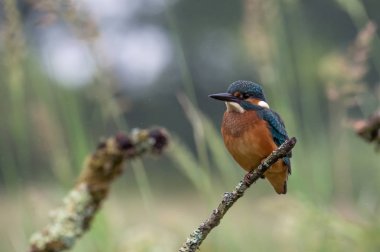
(243, 95)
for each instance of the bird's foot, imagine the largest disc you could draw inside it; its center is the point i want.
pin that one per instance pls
(247, 178)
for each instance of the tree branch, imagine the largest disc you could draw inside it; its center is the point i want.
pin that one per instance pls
(199, 235)
(73, 219)
(369, 129)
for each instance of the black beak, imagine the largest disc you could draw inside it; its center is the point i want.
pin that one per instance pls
(225, 97)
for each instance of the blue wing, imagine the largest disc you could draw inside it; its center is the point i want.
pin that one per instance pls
(277, 128)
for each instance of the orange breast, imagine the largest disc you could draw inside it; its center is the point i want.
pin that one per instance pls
(249, 141)
(247, 138)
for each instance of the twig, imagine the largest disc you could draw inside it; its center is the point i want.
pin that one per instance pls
(369, 129)
(196, 237)
(73, 219)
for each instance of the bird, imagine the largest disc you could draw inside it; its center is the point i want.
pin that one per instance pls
(251, 130)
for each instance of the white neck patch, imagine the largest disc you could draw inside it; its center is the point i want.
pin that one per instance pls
(263, 104)
(234, 107)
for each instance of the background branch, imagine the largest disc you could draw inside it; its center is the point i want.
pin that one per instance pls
(369, 129)
(199, 235)
(71, 221)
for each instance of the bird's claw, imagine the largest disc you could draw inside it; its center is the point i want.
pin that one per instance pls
(248, 178)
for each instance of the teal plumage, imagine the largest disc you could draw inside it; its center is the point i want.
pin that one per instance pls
(277, 129)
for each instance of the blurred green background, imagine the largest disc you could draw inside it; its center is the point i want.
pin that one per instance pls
(72, 72)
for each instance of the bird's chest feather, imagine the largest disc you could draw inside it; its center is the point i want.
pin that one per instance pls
(247, 138)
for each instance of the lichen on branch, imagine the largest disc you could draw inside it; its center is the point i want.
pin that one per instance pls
(73, 218)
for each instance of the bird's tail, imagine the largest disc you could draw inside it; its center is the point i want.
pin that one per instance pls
(277, 175)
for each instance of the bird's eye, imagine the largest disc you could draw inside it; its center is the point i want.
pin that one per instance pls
(245, 96)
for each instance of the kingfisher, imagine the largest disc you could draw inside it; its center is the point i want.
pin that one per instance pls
(251, 131)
